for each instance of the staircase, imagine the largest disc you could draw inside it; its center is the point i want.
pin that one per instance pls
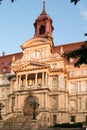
(21, 122)
(17, 122)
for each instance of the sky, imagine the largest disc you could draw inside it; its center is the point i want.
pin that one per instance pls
(17, 19)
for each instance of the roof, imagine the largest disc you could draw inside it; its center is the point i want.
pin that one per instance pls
(6, 60)
(43, 14)
(68, 47)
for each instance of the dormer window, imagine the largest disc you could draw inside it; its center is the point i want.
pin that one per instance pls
(42, 29)
(4, 69)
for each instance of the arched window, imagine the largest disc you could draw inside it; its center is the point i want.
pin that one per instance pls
(42, 29)
(85, 84)
(55, 81)
(73, 105)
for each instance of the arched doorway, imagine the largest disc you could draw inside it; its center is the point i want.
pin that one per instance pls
(28, 109)
(54, 119)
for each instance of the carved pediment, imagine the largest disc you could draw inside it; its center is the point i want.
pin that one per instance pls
(36, 42)
(28, 66)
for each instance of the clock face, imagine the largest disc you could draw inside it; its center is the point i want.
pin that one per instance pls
(36, 54)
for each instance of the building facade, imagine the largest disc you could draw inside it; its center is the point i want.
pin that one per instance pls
(39, 74)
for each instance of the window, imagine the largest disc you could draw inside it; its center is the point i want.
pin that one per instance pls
(54, 66)
(85, 72)
(54, 119)
(73, 87)
(86, 104)
(71, 74)
(85, 84)
(55, 81)
(3, 93)
(72, 118)
(79, 86)
(36, 53)
(73, 105)
(86, 118)
(4, 81)
(42, 29)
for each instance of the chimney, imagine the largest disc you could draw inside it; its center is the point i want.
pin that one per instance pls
(61, 50)
(3, 53)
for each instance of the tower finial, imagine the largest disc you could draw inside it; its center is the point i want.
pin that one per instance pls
(44, 6)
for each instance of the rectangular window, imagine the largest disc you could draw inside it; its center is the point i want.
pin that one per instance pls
(86, 118)
(71, 74)
(85, 72)
(3, 93)
(85, 84)
(72, 118)
(86, 104)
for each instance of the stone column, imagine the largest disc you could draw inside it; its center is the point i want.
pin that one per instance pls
(36, 80)
(26, 81)
(16, 101)
(42, 79)
(17, 85)
(19, 101)
(58, 102)
(20, 81)
(79, 86)
(11, 88)
(9, 102)
(66, 82)
(46, 79)
(46, 100)
(42, 100)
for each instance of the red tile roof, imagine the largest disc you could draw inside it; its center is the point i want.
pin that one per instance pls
(6, 60)
(68, 47)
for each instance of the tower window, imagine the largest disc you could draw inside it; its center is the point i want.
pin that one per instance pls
(42, 29)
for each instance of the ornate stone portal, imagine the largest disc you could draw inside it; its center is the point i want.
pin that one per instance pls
(29, 103)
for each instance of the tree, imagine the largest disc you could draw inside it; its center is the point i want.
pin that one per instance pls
(74, 1)
(79, 54)
(10, 0)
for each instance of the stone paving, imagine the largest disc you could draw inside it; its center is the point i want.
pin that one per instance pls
(42, 129)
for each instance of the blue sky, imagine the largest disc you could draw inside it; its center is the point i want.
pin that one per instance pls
(16, 22)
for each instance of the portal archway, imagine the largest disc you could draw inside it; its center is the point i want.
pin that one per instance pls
(54, 119)
(28, 105)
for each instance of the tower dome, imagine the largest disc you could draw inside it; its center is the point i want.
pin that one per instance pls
(43, 25)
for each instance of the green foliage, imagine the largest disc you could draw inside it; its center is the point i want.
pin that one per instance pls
(10, 0)
(80, 55)
(75, 1)
(67, 125)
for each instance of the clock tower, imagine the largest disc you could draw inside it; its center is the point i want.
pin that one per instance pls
(43, 25)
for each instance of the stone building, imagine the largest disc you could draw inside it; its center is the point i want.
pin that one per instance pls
(39, 74)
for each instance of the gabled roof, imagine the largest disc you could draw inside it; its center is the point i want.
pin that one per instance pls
(28, 66)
